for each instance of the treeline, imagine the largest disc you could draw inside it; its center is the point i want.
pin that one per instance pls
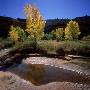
(51, 24)
(7, 22)
(84, 24)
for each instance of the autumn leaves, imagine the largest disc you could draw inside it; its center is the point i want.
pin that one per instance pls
(34, 25)
(35, 28)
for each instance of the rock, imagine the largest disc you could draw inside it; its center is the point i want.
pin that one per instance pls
(68, 58)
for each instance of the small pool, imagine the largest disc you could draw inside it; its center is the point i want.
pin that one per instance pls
(39, 74)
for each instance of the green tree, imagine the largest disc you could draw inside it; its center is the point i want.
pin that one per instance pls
(21, 33)
(72, 31)
(34, 22)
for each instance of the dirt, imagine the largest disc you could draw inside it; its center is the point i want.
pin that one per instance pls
(60, 63)
(9, 81)
(4, 52)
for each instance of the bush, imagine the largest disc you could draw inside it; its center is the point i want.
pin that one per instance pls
(58, 34)
(53, 47)
(60, 51)
(86, 38)
(47, 37)
(49, 46)
(5, 43)
(27, 47)
(76, 47)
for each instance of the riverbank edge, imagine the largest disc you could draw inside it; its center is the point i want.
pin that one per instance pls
(11, 57)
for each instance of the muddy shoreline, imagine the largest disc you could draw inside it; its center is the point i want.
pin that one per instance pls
(11, 81)
(17, 83)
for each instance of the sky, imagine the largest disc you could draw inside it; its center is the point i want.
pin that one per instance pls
(50, 9)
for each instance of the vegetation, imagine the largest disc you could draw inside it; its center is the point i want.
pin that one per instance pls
(17, 34)
(51, 24)
(34, 40)
(72, 31)
(48, 36)
(34, 22)
(53, 47)
(14, 36)
(58, 34)
(86, 38)
(22, 34)
(5, 43)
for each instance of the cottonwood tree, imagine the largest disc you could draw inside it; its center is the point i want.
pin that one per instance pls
(13, 34)
(72, 31)
(16, 34)
(34, 22)
(58, 34)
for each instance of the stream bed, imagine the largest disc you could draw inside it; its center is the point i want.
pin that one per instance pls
(42, 70)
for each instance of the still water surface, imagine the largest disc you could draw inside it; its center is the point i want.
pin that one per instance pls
(39, 74)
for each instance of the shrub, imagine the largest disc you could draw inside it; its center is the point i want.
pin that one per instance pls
(58, 34)
(5, 43)
(21, 33)
(49, 46)
(86, 38)
(76, 47)
(48, 37)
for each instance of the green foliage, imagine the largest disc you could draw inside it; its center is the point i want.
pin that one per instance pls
(53, 47)
(48, 36)
(26, 46)
(72, 31)
(49, 46)
(17, 34)
(76, 47)
(58, 34)
(21, 33)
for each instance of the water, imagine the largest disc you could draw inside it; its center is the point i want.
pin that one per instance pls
(39, 74)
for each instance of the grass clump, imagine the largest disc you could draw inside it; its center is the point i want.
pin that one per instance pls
(48, 47)
(5, 43)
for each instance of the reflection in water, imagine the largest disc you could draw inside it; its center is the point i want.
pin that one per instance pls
(33, 73)
(40, 74)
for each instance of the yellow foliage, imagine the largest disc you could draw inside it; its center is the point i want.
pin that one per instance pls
(13, 34)
(72, 30)
(34, 22)
(59, 32)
